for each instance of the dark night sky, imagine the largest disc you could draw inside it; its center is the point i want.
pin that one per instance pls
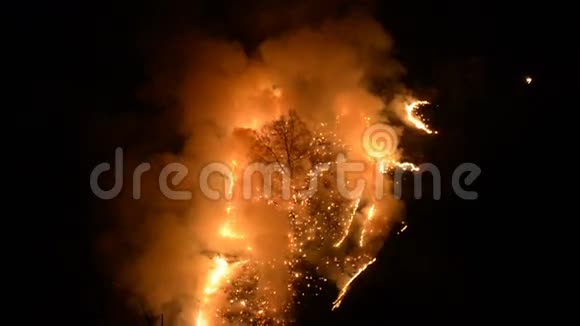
(459, 262)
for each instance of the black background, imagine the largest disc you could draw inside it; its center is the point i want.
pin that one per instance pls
(461, 262)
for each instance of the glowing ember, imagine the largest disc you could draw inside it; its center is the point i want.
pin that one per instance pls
(417, 122)
(528, 80)
(345, 288)
(405, 226)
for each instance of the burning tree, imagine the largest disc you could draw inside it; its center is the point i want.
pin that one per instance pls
(317, 217)
(286, 142)
(330, 236)
(308, 157)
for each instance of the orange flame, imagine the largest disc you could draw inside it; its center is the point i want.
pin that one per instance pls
(410, 108)
(370, 216)
(385, 166)
(347, 230)
(215, 280)
(345, 288)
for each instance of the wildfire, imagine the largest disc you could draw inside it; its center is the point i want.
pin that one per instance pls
(200, 320)
(347, 229)
(370, 215)
(217, 274)
(221, 267)
(417, 122)
(227, 231)
(232, 181)
(385, 166)
(284, 105)
(306, 229)
(345, 288)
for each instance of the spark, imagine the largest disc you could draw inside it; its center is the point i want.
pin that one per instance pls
(410, 108)
(528, 80)
(345, 288)
(336, 245)
(370, 215)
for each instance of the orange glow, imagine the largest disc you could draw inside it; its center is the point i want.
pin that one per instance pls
(370, 215)
(227, 231)
(298, 101)
(347, 229)
(385, 166)
(412, 116)
(200, 321)
(219, 272)
(345, 288)
(217, 276)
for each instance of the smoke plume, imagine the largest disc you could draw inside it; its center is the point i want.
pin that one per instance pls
(162, 250)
